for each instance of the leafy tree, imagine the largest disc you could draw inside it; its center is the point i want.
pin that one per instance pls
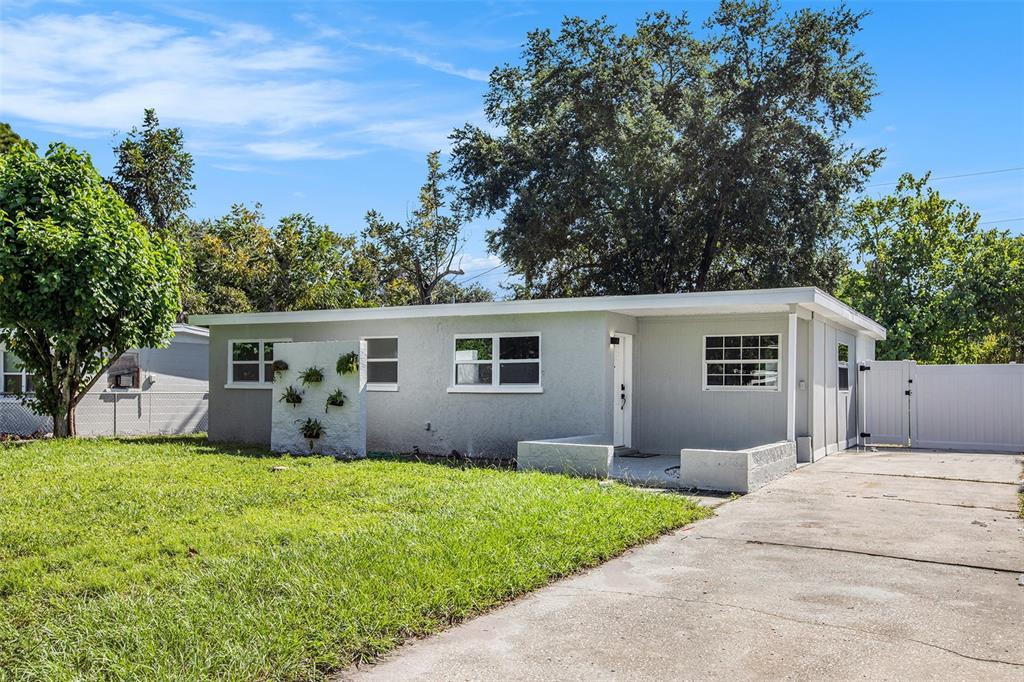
(242, 265)
(661, 161)
(420, 255)
(153, 173)
(81, 281)
(10, 140)
(450, 291)
(946, 290)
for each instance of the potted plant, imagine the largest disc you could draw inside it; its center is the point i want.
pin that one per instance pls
(311, 430)
(335, 399)
(311, 375)
(292, 396)
(278, 366)
(348, 363)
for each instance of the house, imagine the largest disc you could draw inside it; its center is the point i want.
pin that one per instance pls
(146, 390)
(654, 373)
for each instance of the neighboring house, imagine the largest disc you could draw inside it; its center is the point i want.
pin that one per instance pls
(147, 390)
(658, 373)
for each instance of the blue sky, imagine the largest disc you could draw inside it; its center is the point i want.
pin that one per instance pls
(329, 108)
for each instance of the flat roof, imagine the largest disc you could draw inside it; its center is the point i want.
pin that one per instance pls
(783, 300)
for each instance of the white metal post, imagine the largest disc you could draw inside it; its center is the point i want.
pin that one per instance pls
(791, 376)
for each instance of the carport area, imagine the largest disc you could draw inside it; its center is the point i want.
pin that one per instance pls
(892, 564)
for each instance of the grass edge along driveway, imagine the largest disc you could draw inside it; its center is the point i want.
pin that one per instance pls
(175, 558)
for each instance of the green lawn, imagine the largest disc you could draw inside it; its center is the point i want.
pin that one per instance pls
(163, 559)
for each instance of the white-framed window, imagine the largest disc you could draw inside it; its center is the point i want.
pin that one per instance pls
(741, 362)
(250, 362)
(125, 373)
(843, 367)
(15, 378)
(497, 363)
(381, 363)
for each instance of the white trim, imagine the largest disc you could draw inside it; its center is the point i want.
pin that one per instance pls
(495, 362)
(754, 389)
(713, 302)
(262, 383)
(506, 388)
(382, 388)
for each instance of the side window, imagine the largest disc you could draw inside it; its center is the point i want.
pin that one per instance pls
(124, 373)
(251, 362)
(382, 363)
(495, 361)
(15, 378)
(843, 355)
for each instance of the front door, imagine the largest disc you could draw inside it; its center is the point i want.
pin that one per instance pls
(622, 389)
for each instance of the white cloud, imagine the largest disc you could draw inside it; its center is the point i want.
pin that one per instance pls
(426, 60)
(236, 88)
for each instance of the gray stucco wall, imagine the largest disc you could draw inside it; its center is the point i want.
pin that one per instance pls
(675, 412)
(574, 357)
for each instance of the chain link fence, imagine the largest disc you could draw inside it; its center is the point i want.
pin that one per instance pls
(116, 413)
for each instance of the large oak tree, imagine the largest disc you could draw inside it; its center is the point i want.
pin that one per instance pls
(663, 161)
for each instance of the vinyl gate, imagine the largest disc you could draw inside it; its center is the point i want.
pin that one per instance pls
(968, 407)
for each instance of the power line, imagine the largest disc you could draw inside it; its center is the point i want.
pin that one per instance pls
(1004, 220)
(951, 177)
(477, 276)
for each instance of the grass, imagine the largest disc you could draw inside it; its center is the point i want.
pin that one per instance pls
(178, 559)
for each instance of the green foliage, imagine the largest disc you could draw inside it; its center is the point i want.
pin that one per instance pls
(291, 396)
(311, 429)
(311, 375)
(410, 262)
(665, 161)
(153, 173)
(241, 265)
(10, 140)
(348, 363)
(81, 281)
(164, 559)
(335, 399)
(946, 290)
(279, 366)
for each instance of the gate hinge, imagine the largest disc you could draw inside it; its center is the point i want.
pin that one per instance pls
(865, 435)
(908, 392)
(865, 368)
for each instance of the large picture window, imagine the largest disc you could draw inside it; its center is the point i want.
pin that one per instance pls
(497, 362)
(15, 378)
(382, 363)
(747, 362)
(250, 362)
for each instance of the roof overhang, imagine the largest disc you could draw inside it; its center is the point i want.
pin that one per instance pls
(759, 301)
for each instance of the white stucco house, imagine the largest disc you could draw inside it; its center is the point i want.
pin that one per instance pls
(657, 374)
(147, 390)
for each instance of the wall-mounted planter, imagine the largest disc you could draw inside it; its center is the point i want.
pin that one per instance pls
(336, 399)
(292, 396)
(348, 363)
(278, 366)
(311, 375)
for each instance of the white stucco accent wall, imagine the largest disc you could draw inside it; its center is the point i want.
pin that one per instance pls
(344, 427)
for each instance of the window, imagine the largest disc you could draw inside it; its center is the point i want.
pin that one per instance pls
(382, 363)
(843, 355)
(16, 379)
(497, 362)
(250, 362)
(746, 363)
(124, 372)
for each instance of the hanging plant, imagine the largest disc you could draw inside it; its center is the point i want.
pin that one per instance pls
(311, 429)
(311, 375)
(336, 399)
(291, 395)
(279, 365)
(348, 363)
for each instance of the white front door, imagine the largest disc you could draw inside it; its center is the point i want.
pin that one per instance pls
(622, 389)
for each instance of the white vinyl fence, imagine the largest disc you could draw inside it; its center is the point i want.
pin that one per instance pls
(111, 413)
(969, 407)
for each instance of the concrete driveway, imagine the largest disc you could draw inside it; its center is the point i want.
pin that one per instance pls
(881, 565)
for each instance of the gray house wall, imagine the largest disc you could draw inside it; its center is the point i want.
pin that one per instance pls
(672, 409)
(574, 356)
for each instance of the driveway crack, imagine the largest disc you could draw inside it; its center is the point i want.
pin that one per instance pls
(772, 614)
(933, 478)
(939, 504)
(861, 552)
